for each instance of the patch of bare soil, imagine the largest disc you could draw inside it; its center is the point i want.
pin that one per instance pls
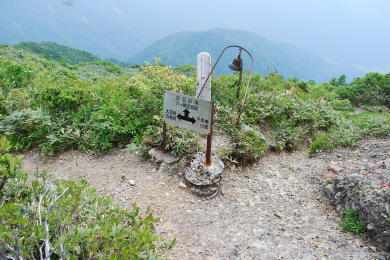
(271, 210)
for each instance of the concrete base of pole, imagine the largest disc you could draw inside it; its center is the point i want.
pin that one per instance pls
(199, 174)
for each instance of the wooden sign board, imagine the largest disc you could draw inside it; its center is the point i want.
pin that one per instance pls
(187, 112)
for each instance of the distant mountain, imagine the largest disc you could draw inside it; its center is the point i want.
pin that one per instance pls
(96, 28)
(182, 48)
(58, 52)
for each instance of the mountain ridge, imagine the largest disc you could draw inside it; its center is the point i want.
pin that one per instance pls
(58, 52)
(290, 61)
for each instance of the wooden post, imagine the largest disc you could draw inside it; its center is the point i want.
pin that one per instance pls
(203, 70)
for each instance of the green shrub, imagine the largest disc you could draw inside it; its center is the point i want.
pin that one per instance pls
(374, 88)
(179, 141)
(60, 99)
(293, 119)
(352, 223)
(13, 74)
(5, 145)
(26, 128)
(96, 105)
(248, 146)
(342, 105)
(188, 70)
(372, 124)
(9, 168)
(350, 129)
(70, 220)
(322, 142)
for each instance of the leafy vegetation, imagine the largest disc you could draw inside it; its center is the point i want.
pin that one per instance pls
(374, 88)
(179, 141)
(68, 220)
(353, 128)
(249, 146)
(352, 223)
(99, 105)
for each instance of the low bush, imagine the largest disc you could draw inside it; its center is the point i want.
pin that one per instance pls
(342, 105)
(13, 74)
(322, 142)
(179, 141)
(96, 106)
(26, 128)
(69, 220)
(352, 223)
(248, 147)
(350, 129)
(374, 88)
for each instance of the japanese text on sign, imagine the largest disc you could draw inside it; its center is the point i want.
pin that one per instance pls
(187, 112)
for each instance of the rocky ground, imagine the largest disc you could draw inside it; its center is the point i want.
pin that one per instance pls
(360, 180)
(271, 210)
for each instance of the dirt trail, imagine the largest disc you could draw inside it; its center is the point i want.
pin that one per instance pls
(271, 210)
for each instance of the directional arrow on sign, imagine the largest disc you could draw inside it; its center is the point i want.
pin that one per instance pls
(186, 117)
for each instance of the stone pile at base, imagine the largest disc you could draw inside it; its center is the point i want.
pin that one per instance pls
(204, 180)
(201, 179)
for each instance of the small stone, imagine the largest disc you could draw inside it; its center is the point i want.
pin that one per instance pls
(334, 167)
(329, 191)
(370, 227)
(247, 128)
(132, 182)
(182, 185)
(160, 156)
(277, 215)
(123, 178)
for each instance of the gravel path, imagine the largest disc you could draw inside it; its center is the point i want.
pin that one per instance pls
(271, 210)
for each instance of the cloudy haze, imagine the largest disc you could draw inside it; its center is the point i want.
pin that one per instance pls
(348, 32)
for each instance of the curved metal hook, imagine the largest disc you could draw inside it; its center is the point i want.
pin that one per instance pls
(212, 70)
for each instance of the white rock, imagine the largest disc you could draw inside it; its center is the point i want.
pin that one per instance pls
(182, 185)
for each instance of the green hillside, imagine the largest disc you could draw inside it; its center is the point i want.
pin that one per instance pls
(290, 62)
(98, 105)
(58, 52)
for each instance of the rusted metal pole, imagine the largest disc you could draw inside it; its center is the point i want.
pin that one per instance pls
(164, 141)
(239, 85)
(208, 149)
(210, 137)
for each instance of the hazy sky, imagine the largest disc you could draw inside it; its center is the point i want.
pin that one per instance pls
(349, 32)
(353, 31)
